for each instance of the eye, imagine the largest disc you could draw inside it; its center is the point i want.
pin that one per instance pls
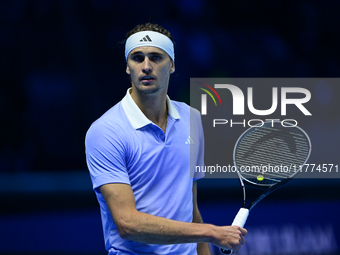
(137, 58)
(155, 57)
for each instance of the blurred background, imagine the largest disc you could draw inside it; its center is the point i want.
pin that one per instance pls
(62, 66)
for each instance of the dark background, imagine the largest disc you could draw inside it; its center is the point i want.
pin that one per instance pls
(62, 66)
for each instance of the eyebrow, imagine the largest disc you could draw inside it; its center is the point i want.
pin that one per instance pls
(150, 53)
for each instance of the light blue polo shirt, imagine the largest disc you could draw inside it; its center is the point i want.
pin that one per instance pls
(123, 146)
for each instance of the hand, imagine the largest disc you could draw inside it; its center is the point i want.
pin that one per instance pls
(230, 237)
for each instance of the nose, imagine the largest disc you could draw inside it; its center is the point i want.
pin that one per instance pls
(147, 66)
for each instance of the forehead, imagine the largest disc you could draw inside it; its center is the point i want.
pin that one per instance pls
(147, 50)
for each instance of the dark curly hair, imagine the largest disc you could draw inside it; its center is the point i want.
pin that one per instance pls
(150, 27)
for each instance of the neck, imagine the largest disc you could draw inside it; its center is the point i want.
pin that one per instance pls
(154, 107)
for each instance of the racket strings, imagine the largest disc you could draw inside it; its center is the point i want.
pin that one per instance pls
(275, 153)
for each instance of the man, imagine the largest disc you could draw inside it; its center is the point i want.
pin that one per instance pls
(139, 161)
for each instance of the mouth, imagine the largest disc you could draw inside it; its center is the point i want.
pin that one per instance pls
(147, 78)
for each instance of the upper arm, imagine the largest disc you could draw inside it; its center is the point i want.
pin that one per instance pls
(196, 216)
(120, 200)
(194, 194)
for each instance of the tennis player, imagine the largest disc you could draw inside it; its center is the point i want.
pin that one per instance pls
(138, 154)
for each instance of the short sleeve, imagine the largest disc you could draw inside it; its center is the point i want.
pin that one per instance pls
(105, 155)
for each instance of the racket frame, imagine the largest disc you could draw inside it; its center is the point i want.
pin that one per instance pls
(269, 188)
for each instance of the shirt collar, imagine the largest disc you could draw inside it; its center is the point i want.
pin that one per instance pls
(137, 117)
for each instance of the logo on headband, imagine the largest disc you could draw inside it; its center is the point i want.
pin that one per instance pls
(145, 39)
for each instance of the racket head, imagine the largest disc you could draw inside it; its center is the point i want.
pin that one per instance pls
(269, 153)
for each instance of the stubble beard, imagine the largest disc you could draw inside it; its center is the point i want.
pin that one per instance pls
(151, 91)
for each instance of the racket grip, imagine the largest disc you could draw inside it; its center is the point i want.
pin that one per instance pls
(241, 217)
(239, 220)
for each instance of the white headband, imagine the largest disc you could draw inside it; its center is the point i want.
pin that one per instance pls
(150, 38)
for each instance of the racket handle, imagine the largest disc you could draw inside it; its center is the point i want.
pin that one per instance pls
(241, 217)
(239, 220)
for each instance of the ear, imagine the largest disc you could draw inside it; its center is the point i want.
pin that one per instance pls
(127, 69)
(172, 68)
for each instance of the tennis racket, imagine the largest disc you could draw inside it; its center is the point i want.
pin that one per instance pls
(268, 156)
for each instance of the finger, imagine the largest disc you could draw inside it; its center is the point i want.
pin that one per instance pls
(242, 240)
(243, 231)
(237, 229)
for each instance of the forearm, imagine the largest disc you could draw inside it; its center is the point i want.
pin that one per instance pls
(145, 228)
